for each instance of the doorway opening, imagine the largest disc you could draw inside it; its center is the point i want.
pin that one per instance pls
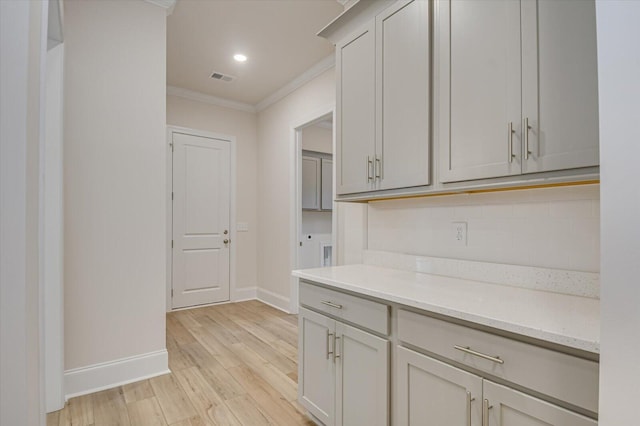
(313, 242)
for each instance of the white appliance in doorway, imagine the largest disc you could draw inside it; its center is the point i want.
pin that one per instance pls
(201, 227)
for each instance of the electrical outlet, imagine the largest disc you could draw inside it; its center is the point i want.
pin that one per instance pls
(459, 231)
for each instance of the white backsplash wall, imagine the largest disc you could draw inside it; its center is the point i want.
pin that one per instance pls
(551, 227)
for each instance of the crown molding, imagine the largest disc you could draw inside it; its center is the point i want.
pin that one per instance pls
(317, 69)
(165, 4)
(209, 99)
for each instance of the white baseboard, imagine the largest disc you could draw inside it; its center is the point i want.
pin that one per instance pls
(246, 293)
(106, 375)
(273, 299)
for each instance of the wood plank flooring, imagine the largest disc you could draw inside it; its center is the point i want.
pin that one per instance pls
(232, 364)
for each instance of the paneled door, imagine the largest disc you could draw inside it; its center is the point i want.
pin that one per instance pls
(201, 239)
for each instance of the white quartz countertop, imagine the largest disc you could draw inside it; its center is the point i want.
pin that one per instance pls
(566, 320)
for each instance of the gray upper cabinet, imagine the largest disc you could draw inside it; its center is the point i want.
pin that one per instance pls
(382, 123)
(479, 81)
(402, 119)
(326, 184)
(311, 181)
(517, 87)
(355, 112)
(317, 181)
(560, 84)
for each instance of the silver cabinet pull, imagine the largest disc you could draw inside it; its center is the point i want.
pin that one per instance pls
(333, 305)
(485, 412)
(510, 139)
(378, 168)
(369, 168)
(335, 348)
(329, 335)
(468, 350)
(469, 400)
(525, 132)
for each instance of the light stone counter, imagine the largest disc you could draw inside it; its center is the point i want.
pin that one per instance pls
(567, 320)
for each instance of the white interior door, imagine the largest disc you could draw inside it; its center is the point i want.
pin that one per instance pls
(201, 189)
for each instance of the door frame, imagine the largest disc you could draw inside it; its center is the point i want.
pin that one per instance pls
(295, 194)
(232, 210)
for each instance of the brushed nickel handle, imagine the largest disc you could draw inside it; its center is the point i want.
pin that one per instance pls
(225, 232)
(335, 349)
(328, 338)
(378, 168)
(525, 131)
(485, 412)
(225, 241)
(469, 400)
(333, 305)
(510, 138)
(468, 350)
(369, 168)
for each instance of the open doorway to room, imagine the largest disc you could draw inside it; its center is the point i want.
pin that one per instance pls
(313, 231)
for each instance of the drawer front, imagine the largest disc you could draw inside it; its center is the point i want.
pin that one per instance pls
(365, 313)
(558, 375)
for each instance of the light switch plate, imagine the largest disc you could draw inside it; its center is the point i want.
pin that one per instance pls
(242, 226)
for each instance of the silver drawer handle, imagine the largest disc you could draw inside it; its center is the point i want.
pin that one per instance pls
(467, 349)
(333, 305)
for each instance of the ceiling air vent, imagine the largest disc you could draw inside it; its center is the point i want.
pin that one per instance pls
(222, 77)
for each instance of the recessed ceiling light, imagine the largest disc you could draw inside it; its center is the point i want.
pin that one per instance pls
(239, 57)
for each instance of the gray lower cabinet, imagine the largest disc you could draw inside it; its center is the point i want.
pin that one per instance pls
(343, 372)
(446, 372)
(431, 392)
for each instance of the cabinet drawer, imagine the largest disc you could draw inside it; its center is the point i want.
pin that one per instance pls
(365, 313)
(558, 375)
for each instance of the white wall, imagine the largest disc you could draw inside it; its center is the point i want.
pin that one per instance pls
(316, 138)
(552, 227)
(274, 150)
(619, 92)
(22, 48)
(115, 183)
(53, 224)
(243, 125)
(316, 222)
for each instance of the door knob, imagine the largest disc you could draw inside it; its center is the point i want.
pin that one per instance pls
(225, 232)
(226, 241)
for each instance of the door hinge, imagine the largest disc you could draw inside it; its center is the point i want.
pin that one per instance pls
(171, 145)
(171, 195)
(171, 243)
(171, 292)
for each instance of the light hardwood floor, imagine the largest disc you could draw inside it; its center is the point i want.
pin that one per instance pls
(233, 364)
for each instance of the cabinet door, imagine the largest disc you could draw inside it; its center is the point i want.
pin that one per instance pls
(355, 114)
(403, 76)
(479, 89)
(560, 84)
(509, 407)
(316, 372)
(327, 184)
(362, 377)
(431, 392)
(311, 183)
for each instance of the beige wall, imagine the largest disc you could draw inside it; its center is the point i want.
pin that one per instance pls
(551, 228)
(274, 196)
(243, 125)
(316, 138)
(115, 175)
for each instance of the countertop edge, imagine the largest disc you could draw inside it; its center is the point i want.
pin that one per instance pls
(554, 338)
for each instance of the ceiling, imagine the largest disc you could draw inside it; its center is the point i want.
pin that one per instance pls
(278, 37)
